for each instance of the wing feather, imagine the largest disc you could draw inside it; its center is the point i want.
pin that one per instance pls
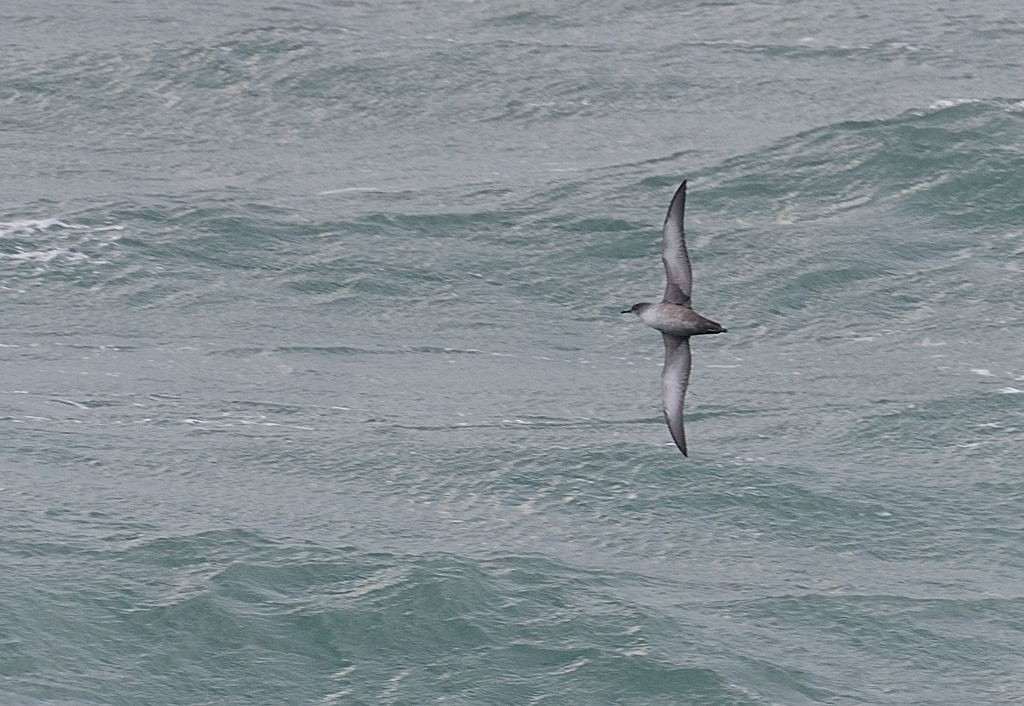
(678, 277)
(675, 378)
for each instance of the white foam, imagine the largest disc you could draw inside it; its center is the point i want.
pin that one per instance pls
(29, 226)
(43, 255)
(920, 186)
(52, 240)
(951, 103)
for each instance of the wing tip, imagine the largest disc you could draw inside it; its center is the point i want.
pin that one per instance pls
(682, 447)
(677, 206)
(679, 438)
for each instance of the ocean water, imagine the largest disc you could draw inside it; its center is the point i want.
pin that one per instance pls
(314, 387)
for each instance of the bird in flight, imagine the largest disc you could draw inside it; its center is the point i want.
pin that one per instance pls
(674, 317)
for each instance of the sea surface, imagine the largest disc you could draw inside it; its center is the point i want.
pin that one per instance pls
(314, 387)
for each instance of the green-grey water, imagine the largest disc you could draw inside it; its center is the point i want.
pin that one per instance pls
(314, 386)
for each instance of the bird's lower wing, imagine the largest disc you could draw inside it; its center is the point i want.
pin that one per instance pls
(675, 378)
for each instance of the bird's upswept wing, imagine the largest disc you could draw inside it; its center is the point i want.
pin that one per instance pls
(675, 378)
(678, 278)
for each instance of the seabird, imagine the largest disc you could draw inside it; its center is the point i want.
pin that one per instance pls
(674, 318)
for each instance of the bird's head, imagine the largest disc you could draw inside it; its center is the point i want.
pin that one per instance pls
(637, 308)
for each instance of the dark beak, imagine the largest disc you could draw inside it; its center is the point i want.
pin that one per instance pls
(627, 311)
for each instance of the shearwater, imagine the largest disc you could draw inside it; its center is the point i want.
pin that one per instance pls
(674, 317)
